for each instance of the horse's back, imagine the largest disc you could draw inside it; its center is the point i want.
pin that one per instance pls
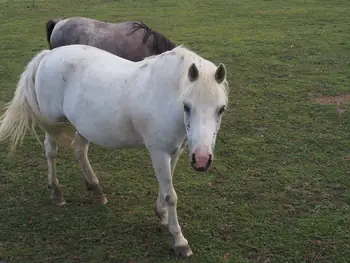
(81, 55)
(111, 37)
(76, 30)
(82, 63)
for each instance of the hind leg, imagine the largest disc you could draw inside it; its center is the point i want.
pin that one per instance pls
(51, 150)
(81, 146)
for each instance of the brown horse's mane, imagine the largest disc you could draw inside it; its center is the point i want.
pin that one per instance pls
(160, 42)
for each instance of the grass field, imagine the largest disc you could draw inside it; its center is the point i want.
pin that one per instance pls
(279, 190)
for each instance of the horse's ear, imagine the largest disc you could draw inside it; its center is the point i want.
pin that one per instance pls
(220, 73)
(193, 72)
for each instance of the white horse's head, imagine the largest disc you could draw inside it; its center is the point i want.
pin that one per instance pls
(205, 99)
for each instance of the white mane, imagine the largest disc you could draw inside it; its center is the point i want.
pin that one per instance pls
(208, 86)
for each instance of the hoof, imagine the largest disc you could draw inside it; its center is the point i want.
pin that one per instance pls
(100, 200)
(183, 252)
(56, 195)
(58, 201)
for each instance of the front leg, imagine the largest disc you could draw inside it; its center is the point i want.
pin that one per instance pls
(162, 165)
(161, 209)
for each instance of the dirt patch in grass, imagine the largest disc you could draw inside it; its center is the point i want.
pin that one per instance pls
(339, 99)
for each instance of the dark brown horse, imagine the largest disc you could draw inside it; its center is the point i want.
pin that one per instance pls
(132, 40)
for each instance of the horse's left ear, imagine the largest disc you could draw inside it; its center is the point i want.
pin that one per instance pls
(193, 72)
(220, 73)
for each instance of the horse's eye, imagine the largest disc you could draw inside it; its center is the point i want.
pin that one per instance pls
(221, 110)
(187, 108)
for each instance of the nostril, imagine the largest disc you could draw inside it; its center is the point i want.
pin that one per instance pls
(210, 157)
(193, 158)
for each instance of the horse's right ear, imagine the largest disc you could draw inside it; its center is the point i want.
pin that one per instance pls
(193, 73)
(220, 73)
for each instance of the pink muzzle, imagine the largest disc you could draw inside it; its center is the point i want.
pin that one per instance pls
(201, 161)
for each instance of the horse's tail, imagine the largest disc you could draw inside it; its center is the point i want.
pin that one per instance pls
(23, 112)
(50, 25)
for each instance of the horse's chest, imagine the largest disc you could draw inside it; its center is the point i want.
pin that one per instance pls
(160, 127)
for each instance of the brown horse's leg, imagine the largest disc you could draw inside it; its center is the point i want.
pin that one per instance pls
(81, 146)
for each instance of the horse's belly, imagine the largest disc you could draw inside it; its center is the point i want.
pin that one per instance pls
(110, 135)
(118, 140)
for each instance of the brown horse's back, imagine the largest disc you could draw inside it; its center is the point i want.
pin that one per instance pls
(131, 40)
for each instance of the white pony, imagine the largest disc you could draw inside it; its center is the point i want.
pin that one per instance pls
(156, 103)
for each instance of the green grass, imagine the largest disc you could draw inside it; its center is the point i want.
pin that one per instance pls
(279, 190)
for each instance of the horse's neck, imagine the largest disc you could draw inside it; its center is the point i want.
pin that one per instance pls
(168, 73)
(165, 81)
